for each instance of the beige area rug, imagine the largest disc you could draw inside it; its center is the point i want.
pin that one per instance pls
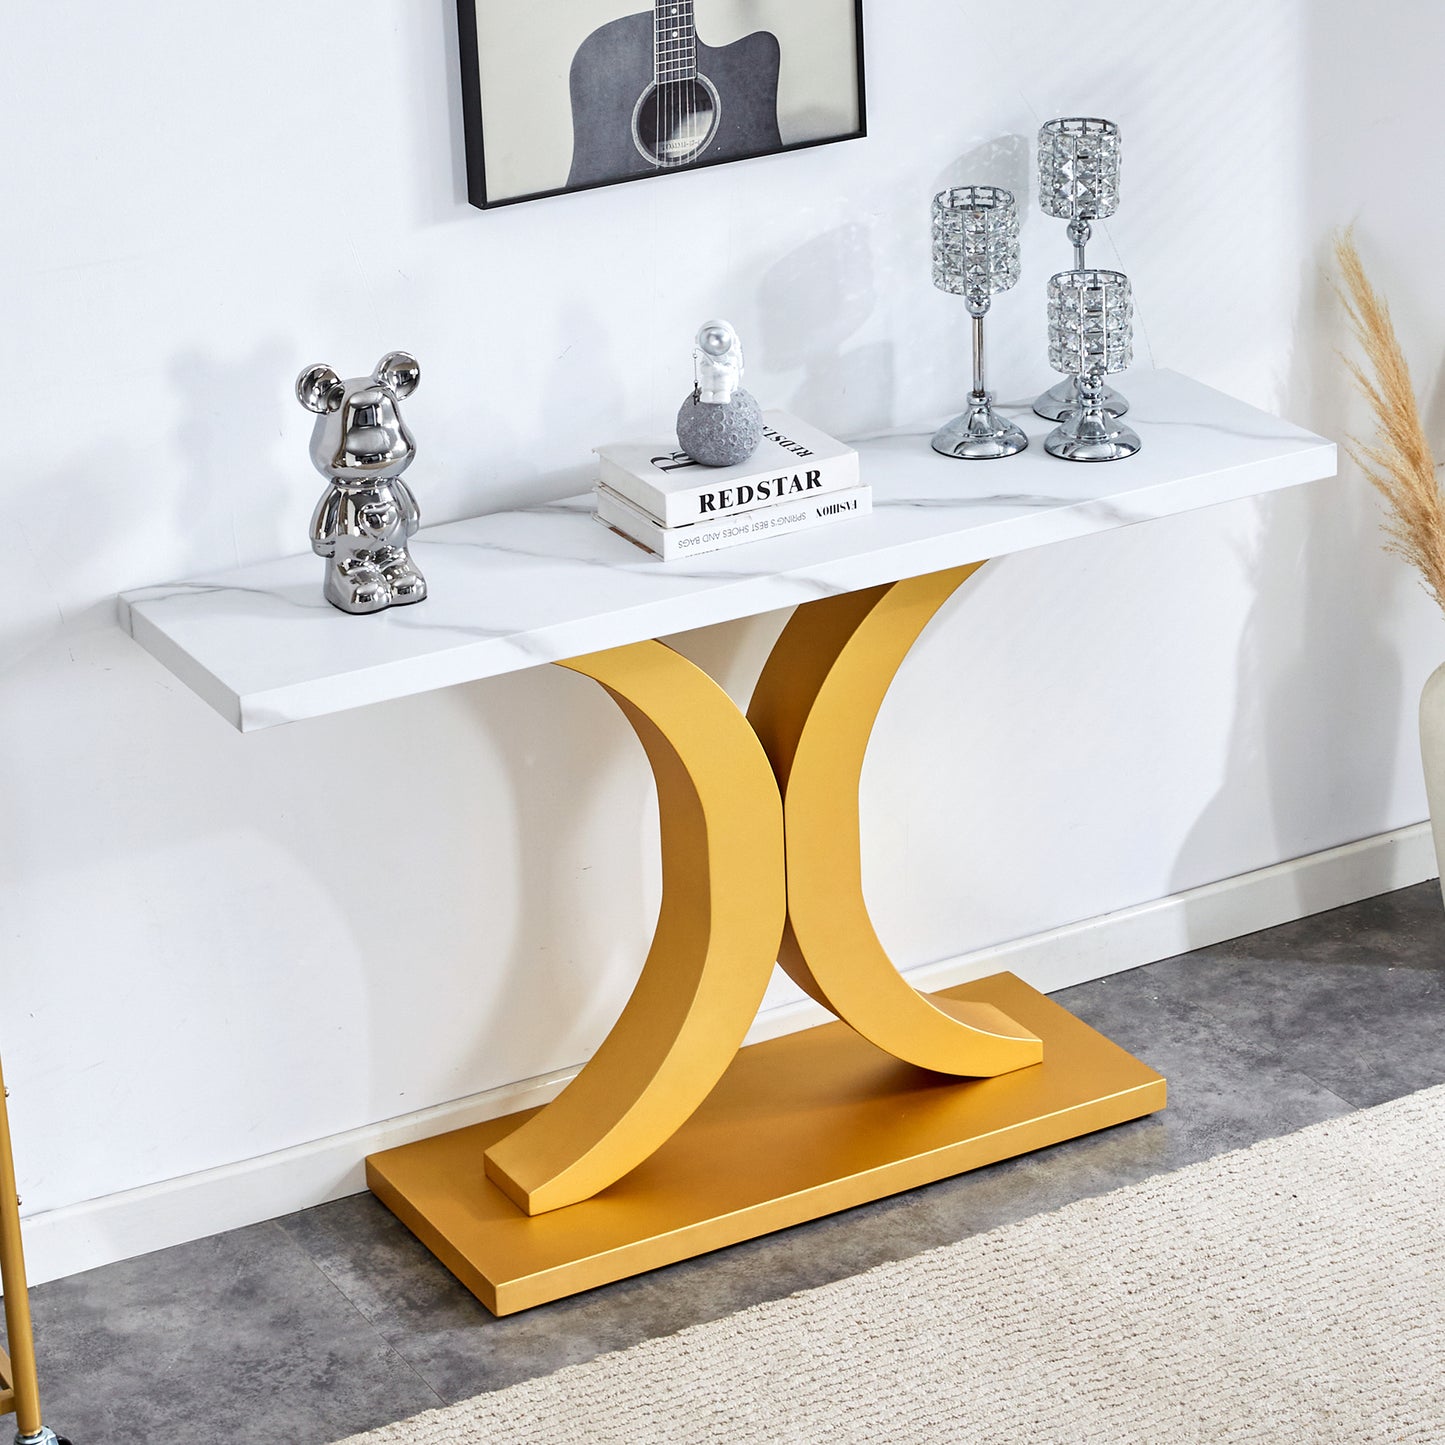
(1290, 1292)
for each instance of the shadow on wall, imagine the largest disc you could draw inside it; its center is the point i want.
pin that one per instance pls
(1005, 161)
(211, 420)
(580, 327)
(439, 179)
(418, 881)
(1316, 668)
(811, 303)
(222, 409)
(574, 769)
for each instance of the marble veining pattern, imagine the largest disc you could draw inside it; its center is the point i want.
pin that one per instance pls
(512, 590)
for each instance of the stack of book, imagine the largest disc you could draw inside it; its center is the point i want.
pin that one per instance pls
(667, 503)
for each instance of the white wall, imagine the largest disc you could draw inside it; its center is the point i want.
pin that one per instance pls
(213, 947)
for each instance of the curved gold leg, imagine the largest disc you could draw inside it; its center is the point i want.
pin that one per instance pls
(814, 709)
(723, 900)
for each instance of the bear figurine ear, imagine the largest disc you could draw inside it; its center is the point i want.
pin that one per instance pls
(319, 389)
(398, 371)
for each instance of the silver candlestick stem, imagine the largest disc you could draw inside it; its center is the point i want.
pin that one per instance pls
(976, 255)
(1078, 183)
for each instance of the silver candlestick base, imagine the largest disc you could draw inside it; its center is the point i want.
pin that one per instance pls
(980, 434)
(1091, 333)
(1058, 401)
(1092, 435)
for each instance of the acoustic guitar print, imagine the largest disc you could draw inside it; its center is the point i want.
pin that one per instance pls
(648, 95)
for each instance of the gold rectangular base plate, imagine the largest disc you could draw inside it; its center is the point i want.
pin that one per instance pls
(799, 1127)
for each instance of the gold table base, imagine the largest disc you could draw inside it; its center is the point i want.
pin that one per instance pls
(799, 1127)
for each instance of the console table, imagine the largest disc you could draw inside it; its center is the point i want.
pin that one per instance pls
(672, 1140)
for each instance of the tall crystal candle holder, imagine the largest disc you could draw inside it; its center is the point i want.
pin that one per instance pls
(976, 255)
(1078, 183)
(1091, 333)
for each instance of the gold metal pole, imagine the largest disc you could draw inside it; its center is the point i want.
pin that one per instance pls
(24, 1382)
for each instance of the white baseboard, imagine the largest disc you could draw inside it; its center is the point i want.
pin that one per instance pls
(120, 1226)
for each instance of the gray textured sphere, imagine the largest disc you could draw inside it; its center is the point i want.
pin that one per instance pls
(720, 435)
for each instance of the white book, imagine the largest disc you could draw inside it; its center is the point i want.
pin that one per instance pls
(671, 543)
(793, 460)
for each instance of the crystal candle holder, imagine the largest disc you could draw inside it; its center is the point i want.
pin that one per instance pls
(1078, 183)
(1079, 171)
(976, 256)
(1091, 333)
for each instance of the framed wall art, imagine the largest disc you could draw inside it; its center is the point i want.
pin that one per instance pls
(572, 94)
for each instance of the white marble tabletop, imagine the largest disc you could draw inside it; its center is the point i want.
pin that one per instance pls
(512, 590)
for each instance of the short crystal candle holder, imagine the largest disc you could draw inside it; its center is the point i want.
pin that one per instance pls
(976, 255)
(1091, 333)
(1078, 183)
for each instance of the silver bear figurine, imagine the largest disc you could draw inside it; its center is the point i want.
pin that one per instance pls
(362, 446)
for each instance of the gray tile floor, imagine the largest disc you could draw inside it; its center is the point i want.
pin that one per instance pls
(335, 1320)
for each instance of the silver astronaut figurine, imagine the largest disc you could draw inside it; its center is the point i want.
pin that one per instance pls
(719, 424)
(717, 362)
(362, 446)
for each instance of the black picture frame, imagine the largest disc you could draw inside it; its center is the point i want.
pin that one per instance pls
(603, 74)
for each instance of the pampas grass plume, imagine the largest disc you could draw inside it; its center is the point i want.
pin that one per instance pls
(1398, 461)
